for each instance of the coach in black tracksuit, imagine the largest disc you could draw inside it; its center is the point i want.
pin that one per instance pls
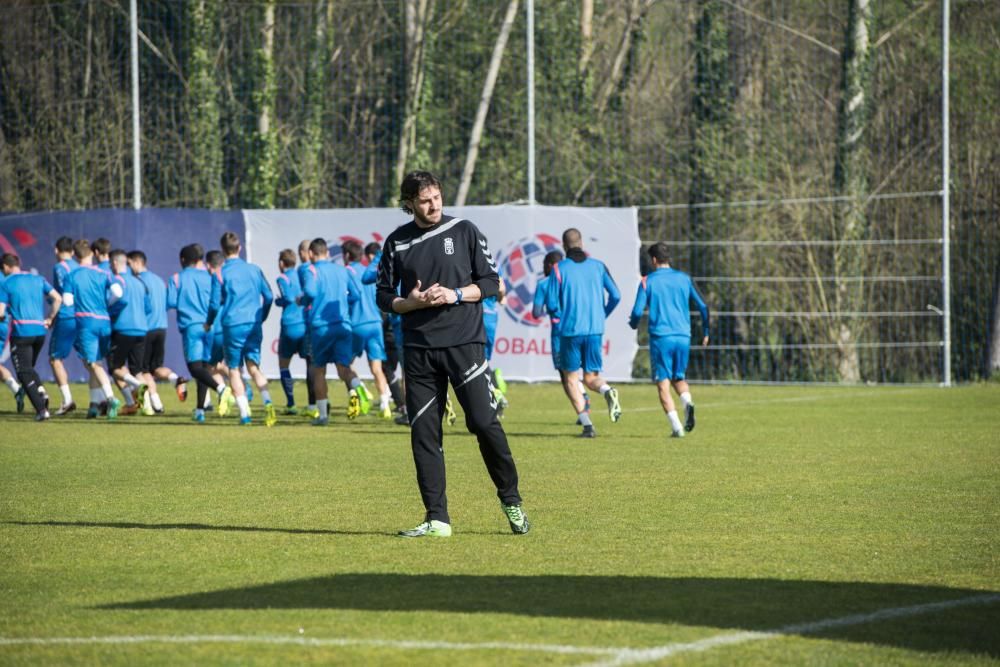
(444, 268)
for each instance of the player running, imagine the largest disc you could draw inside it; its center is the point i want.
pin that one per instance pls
(577, 293)
(129, 324)
(24, 295)
(242, 300)
(329, 291)
(292, 339)
(366, 326)
(90, 290)
(667, 293)
(63, 331)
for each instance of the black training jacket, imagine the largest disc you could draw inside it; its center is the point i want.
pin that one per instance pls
(452, 253)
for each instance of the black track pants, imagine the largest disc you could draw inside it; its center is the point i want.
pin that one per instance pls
(428, 372)
(23, 355)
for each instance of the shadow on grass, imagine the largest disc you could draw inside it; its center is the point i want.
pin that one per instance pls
(188, 526)
(745, 604)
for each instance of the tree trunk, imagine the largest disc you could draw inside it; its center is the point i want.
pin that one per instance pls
(636, 13)
(993, 349)
(262, 179)
(586, 48)
(312, 150)
(417, 17)
(484, 103)
(204, 134)
(851, 180)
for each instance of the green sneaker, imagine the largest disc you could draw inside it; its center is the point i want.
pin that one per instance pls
(364, 399)
(223, 408)
(501, 383)
(353, 405)
(517, 519)
(291, 410)
(614, 407)
(113, 405)
(432, 528)
(270, 416)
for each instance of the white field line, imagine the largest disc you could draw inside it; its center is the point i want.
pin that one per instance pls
(767, 401)
(619, 656)
(637, 656)
(310, 643)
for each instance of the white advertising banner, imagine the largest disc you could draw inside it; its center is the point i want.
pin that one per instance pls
(519, 236)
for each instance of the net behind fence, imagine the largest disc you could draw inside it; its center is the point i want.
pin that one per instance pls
(825, 116)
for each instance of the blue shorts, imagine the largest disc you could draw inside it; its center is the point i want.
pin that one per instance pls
(331, 344)
(62, 337)
(668, 357)
(490, 324)
(93, 339)
(197, 343)
(293, 340)
(578, 352)
(218, 353)
(242, 344)
(367, 339)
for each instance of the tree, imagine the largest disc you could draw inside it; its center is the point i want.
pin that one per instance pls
(851, 181)
(418, 16)
(202, 106)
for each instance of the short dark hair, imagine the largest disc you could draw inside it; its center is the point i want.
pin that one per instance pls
(412, 184)
(230, 243)
(10, 259)
(288, 257)
(351, 250)
(318, 246)
(115, 254)
(101, 246)
(191, 254)
(81, 248)
(660, 252)
(215, 258)
(64, 244)
(572, 238)
(138, 255)
(373, 248)
(552, 258)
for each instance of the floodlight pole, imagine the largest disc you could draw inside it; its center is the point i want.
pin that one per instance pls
(945, 193)
(136, 152)
(530, 10)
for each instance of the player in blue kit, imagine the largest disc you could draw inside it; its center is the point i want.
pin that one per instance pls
(392, 339)
(329, 291)
(242, 299)
(667, 293)
(538, 310)
(90, 291)
(129, 325)
(576, 290)
(304, 263)
(102, 254)
(63, 331)
(24, 294)
(189, 292)
(5, 375)
(292, 339)
(155, 345)
(366, 331)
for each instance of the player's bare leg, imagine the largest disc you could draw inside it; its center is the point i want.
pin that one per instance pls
(667, 402)
(684, 392)
(322, 392)
(595, 382)
(382, 385)
(571, 385)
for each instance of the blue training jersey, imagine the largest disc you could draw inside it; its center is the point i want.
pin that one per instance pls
(242, 296)
(130, 315)
(157, 299)
(365, 310)
(576, 291)
(24, 295)
(289, 290)
(60, 272)
(330, 291)
(89, 286)
(538, 308)
(667, 293)
(190, 294)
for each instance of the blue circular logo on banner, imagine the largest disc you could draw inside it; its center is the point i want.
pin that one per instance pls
(520, 265)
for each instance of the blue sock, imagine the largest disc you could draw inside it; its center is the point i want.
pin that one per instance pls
(288, 386)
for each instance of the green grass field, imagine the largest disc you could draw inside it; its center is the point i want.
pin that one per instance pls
(793, 526)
